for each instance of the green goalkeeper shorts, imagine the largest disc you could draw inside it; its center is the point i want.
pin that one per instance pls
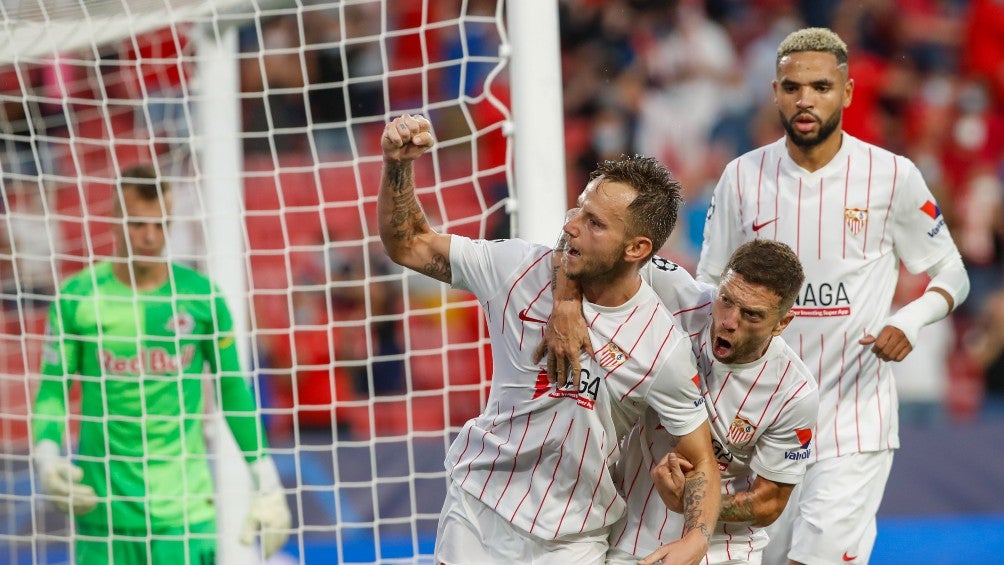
(196, 546)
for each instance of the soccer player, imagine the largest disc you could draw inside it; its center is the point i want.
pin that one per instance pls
(761, 401)
(136, 333)
(529, 476)
(851, 211)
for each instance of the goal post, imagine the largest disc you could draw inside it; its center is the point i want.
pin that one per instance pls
(265, 118)
(221, 158)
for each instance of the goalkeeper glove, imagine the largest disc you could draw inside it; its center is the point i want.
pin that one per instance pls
(60, 479)
(269, 511)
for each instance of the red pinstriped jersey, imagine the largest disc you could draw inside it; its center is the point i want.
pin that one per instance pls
(762, 415)
(539, 455)
(851, 223)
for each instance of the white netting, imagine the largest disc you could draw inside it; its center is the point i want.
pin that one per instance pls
(363, 371)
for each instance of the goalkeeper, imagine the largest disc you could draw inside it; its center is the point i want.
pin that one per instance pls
(136, 333)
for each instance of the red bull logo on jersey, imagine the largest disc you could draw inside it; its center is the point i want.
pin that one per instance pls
(610, 356)
(153, 360)
(855, 219)
(741, 431)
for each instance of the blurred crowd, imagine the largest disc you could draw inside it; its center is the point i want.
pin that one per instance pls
(685, 81)
(689, 82)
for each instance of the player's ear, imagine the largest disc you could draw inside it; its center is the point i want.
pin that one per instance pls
(637, 249)
(783, 322)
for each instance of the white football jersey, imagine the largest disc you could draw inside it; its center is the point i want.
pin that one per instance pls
(762, 416)
(539, 455)
(851, 223)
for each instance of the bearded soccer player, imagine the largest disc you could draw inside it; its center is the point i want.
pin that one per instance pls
(852, 212)
(529, 477)
(136, 333)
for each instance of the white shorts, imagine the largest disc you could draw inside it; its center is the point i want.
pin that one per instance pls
(718, 554)
(830, 518)
(471, 533)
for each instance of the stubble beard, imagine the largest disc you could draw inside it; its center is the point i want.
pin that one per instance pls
(593, 273)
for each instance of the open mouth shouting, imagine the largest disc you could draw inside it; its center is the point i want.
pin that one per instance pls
(721, 347)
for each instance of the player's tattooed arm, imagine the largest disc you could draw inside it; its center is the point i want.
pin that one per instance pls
(407, 218)
(702, 489)
(439, 268)
(565, 335)
(694, 516)
(404, 228)
(760, 505)
(737, 508)
(698, 514)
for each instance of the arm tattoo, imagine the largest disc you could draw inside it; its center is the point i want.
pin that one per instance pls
(737, 508)
(693, 498)
(439, 268)
(407, 219)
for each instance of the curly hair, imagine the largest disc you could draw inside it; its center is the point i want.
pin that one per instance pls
(819, 39)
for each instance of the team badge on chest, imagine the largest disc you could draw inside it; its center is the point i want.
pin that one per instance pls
(741, 431)
(610, 356)
(181, 323)
(856, 219)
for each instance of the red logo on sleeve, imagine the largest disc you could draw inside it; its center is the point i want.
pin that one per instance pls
(931, 209)
(804, 437)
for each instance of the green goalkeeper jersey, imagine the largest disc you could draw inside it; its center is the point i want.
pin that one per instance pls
(140, 359)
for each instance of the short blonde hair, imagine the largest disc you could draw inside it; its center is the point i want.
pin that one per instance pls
(818, 39)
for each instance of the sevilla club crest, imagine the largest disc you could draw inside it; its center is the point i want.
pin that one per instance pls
(741, 431)
(855, 218)
(610, 356)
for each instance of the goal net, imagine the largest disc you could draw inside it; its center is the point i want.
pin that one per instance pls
(363, 372)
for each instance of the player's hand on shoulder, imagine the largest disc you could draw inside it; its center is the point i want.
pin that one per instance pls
(406, 138)
(565, 337)
(891, 344)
